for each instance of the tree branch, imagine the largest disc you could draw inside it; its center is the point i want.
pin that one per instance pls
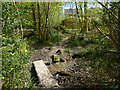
(108, 10)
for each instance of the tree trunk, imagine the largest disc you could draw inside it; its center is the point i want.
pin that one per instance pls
(81, 15)
(119, 18)
(78, 14)
(85, 18)
(34, 15)
(46, 22)
(39, 21)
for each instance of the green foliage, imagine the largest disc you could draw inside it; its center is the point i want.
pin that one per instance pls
(114, 6)
(83, 51)
(15, 53)
(103, 62)
(62, 60)
(57, 58)
(67, 50)
(71, 22)
(55, 16)
(75, 41)
(8, 17)
(55, 37)
(15, 63)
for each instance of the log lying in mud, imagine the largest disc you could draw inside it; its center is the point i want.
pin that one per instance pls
(46, 79)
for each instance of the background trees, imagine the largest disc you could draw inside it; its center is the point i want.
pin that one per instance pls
(111, 18)
(25, 23)
(22, 20)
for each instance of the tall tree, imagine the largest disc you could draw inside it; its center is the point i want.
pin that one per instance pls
(85, 18)
(34, 15)
(46, 22)
(78, 14)
(39, 20)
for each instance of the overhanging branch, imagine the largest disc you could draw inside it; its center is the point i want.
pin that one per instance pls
(108, 10)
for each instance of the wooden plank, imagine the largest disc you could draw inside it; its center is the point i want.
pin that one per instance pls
(45, 77)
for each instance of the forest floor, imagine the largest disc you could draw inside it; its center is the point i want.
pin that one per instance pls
(70, 69)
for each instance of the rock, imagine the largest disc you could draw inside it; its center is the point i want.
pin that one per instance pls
(57, 58)
(59, 52)
(47, 63)
(76, 56)
(46, 79)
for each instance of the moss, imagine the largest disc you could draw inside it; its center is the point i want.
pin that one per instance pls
(57, 59)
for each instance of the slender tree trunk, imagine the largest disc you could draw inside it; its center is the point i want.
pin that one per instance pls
(81, 15)
(34, 15)
(119, 17)
(114, 41)
(46, 22)
(39, 21)
(78, 14)
(111, 38)
(85, 18)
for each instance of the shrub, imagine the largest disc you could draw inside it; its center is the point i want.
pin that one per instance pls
(15, 63)
(75, 41)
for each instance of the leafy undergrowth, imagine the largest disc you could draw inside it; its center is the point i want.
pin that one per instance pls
(15, 63)
(52, 39)
(105, 64)
(76, 41)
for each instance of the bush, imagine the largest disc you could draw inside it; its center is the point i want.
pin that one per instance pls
(54, 38)
(15, 63)
(75, 41)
